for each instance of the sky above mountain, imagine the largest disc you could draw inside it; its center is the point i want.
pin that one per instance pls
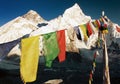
(50, 9)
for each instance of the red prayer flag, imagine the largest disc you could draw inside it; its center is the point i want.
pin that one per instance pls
(118, 29)
(95, 55)
(62, 45)
(98, 23)
(89, 29)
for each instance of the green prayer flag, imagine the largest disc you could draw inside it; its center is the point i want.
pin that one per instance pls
(51, 48)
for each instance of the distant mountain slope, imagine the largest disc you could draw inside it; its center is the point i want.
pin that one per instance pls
(19, 26)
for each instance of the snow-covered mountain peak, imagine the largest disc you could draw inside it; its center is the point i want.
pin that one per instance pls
(15, 29)
(72, 16)
(75, 16)
(33, 16)
(74, 9)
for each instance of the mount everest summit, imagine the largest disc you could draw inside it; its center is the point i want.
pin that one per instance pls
(28, 24)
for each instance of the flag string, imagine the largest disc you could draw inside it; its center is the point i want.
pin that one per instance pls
(93, 69)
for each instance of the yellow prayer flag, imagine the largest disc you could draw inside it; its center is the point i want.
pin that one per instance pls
(90, 81)
(29, 58)
(96, 25)
(94, 65)
(84, 30)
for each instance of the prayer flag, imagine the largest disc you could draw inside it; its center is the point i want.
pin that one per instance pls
(29, 58)
(93, 27)
(62, 45)
(98, 23)
(101, 20)
(84, 30)
(51, 49)
(118, 29)
(89, 29)
(77, 30)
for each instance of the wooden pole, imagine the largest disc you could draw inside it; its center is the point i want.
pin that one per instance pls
(106, 76)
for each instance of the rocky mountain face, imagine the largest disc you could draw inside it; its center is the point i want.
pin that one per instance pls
(28, 25)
